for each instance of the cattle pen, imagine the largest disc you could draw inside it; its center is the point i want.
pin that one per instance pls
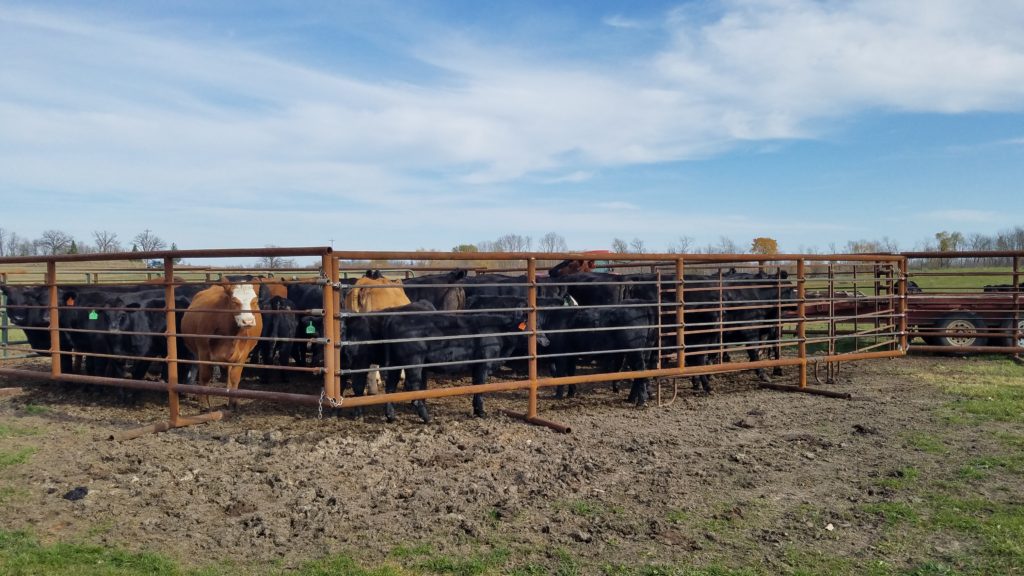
(516, 322)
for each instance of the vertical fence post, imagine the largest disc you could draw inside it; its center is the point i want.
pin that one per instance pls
(680, 317)
(904, 280)
(51, 282)
(173, 404)
(801, 311)
(531, 276)
(4, 337)
(1015, 331)
(331, 388)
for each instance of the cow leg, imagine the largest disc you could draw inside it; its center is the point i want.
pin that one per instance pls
(419, 405)
(753, 355)
(390, 387)
(205, 374)
(479, 377)
(776, 351)
(639, 392)
(234, 377)
(283, 353)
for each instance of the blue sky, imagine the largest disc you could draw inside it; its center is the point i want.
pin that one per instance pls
(404, 125)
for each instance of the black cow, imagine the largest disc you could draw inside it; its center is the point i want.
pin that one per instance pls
(754, 305)
(593, 288)
(280, 327)
(616, 337)
(310, 327)
(503, 285)
(27, 309)
(443, 297)
(480, 349)
(701, 299)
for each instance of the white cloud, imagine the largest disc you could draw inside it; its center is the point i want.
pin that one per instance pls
(572, 177)
(618, 21)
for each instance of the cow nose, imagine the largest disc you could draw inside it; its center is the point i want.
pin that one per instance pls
(245, 320)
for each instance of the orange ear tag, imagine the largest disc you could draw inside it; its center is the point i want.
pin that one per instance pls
(522, 325)
(69, 302)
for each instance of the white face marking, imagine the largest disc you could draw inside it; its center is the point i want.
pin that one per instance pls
(245, 294)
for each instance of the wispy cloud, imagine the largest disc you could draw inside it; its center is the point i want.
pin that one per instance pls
(573, 177)
(617, 21)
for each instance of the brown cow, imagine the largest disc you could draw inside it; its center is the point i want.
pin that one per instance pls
(274, 286)
(360, 298)
(223, 310)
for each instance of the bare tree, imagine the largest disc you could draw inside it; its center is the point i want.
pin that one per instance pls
(276, 261)
(681, 246)
(148, 242)
(619, 245)
(727, 246)
(106, 241)
(54, 242)
(5, 242)
(512, 243)
(552, 242)
(636, 246)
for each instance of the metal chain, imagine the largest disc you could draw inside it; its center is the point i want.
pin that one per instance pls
(320, 405)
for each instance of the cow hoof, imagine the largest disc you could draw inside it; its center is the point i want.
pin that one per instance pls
(479, 413)
(777, 371)
(641, 402)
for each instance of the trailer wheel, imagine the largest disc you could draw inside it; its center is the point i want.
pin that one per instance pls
(960, 322)
(1019, 342)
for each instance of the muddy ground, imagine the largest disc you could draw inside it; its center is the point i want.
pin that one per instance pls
(744, 473)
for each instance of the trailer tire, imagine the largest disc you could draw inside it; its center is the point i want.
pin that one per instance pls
(960, 322)
(1010, 341)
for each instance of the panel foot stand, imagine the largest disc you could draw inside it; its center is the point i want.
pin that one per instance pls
(163, 426)
(556, 426)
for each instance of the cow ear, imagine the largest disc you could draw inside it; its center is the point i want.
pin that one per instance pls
(459, 273)
(69, 297)
(783, 274)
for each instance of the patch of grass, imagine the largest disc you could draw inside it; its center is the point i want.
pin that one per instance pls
(12, 431)
(423, 549)
(529, 570)
(21, 554)
(999, 527)
(8, 459)
(8, 494)
(566, 564)
(926, 443)
(343, 566)
(35, 409)
(1010, 440)
(893, 512)
(900, 478)
(677, 516)
(474, 565)
(989, 390)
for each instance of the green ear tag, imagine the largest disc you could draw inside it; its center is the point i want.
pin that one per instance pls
(93, 315)
(310, 329)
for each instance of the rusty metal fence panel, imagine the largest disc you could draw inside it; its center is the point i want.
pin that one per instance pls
(641, 318)
(965, 302)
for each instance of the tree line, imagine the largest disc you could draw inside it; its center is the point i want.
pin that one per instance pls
(53, 242)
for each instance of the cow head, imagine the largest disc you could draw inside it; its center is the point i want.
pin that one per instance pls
(243, 301)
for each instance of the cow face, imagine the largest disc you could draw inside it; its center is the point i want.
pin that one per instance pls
(243, 300)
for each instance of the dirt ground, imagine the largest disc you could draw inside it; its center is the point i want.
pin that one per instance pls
(741, 473)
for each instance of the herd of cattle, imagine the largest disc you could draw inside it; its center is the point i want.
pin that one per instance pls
(451, 323)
